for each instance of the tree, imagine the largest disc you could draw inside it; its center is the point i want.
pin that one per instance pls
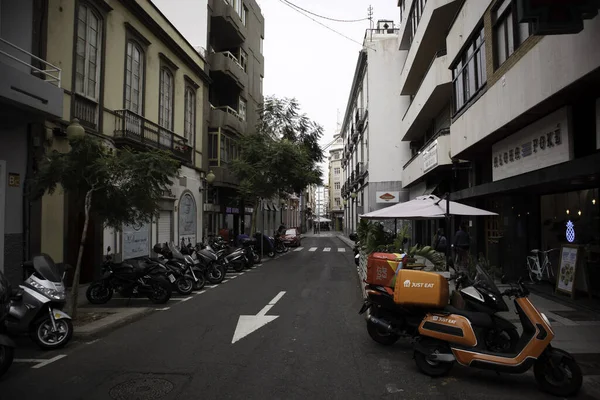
(118, 186)
(281, 156)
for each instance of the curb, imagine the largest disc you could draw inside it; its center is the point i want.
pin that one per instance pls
(88, 331)
(564, 301)
(346, 241)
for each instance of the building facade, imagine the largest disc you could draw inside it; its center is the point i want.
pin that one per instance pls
(162, 88)
(374, 152)
(31, 92)
(525, 112)
(336, 207)
(235, 47)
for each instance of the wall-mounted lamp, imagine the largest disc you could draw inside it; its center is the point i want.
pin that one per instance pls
(210, 178)
(353, 195)
(568, 212)
(75, 129)
(579, 212)
(594, 201)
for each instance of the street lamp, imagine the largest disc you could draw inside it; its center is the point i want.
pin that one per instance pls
(210, 177)
(353, 195)
(75, 129)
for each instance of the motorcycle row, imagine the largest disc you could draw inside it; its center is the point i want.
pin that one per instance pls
(465, 328)
(35, 306)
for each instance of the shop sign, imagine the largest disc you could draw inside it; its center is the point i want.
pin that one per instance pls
(430, 157)
(387, 197)
(187, 218)
(556, 17)
(136, 240)
(232, 210)
(542, 144)
(249, 210)
(14, 180)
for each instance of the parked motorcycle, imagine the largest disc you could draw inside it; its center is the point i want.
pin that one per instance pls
(131, 278)
(456, 336)
(36, 307)
(265, 244)
(208, 262)
(253, 256)
(7, 346)
(280, 246)
(356, 248)
(187, 276)
(234, 257)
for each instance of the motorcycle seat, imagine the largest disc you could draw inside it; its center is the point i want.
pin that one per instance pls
(476, 318)
(16, 293)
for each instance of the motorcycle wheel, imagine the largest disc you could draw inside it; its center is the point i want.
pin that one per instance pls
(271, 254)
(562, 380)
(201, 281)
(384, 338)
(239, 266)
(98, 293)
(161, 291)
(6, 358)
(41, 333)
(215, 274)
(431, 367)
(184, 285)
(256, 258)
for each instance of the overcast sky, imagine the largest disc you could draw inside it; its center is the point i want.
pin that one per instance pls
(302, 58)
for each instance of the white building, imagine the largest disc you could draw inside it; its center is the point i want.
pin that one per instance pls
(374, 152)
(336, 208)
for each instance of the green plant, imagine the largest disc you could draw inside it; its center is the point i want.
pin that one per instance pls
(493, 271)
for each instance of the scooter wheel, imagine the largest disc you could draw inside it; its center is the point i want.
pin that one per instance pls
(562, 379)
(271, 254)
(42, 335)
(6, 358)
(429, 367)
(239, 267)
(201, 282)
(184, 285)
(384, 338)
(256, 258)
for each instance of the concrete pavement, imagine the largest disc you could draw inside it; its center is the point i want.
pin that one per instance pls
(316, 347)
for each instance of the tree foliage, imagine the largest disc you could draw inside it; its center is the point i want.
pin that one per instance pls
(282, 154)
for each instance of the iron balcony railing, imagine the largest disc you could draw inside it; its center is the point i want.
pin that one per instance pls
(135, 128)
(230, 55)
(441, 132)
(360, 169)
(230, 111)
(360, 118)
(50, 73)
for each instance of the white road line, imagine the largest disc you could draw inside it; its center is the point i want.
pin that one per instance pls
(187, 298)
(141, 298)
(327, 249)
(341, 249)
(276, 298)
(298, 248)
(233, 277)
(27, 360)
(210, 286)
(235, 273)
(312, 249)
(50, 361)
(202, 291)
(163, 309)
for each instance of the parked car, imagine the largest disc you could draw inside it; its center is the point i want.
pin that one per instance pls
(292, 237)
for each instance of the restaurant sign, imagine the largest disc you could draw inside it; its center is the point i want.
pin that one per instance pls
(556, 17)
(542, 144)
(387, 197)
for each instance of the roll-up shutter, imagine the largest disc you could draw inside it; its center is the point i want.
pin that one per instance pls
(165, 222)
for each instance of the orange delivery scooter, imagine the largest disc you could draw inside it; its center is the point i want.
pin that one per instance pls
(448, 337)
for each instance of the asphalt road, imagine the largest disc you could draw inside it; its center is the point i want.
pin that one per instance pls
(316, 348)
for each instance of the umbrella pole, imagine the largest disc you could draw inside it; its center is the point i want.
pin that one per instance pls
(448, 234)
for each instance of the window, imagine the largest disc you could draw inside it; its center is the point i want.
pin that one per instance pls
(260, 44)
(508, 32)
(261, 84)
(336, 185)
(336, 171)
(134, 78)
(469, 74)
(338, 203)
(221, 149)
(243, 59)
(87, 53)
(189, 118)
(228, 149)
(242, 109)
(245, 15)
(238, 5)
(213, 149)
(165, 106)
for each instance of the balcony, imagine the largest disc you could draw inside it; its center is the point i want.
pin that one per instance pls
(429, 36)
(360, 170)
(29, 82)
(228, 118)
(360, 116)
(135, 130)
(226, 24)
(225, 63)
(354, 134)
(435, 153)
(434, 93)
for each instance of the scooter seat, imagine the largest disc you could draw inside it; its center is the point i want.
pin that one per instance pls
(476, 318)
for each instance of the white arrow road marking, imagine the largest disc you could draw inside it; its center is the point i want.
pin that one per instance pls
(298, 248)
(249, 323)
(341, 250)
(327, 249)
(312, 249)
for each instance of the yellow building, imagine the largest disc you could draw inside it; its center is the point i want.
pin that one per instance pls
(131, 78)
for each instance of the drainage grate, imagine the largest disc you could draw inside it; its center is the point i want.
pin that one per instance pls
(577, 315)
(141, 389)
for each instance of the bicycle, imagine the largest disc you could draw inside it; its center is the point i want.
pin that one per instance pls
(537, 271)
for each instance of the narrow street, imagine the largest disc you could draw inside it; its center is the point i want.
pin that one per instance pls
(317, 347)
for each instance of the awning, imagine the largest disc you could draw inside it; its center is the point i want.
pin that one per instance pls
(266, 207)
(276, 207)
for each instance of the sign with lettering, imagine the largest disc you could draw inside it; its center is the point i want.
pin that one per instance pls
(542, 144)
(430, 157)
(556, 17)
(136, 240)
(387, 197)
(187, 218)
(14, 180)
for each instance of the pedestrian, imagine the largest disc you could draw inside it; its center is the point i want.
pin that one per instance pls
(439, 241)
(462, 244)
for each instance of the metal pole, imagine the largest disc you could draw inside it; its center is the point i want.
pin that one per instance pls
(449, 234)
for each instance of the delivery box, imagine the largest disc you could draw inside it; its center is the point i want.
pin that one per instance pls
(421, 289)
(382, 267)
